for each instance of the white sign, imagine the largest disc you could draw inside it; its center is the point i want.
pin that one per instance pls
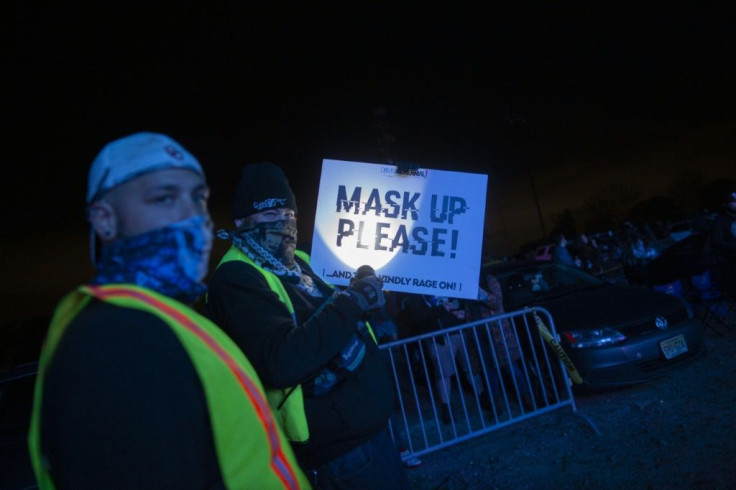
(422, 232)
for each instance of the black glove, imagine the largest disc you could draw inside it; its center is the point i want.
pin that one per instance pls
(367, 293)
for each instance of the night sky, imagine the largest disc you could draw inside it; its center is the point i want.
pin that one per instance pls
(580, 98)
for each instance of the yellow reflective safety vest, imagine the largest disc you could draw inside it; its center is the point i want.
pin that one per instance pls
(287, 403)
(252, 452)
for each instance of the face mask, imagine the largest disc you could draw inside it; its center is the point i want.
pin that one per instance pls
(171, 260)
(278, 238)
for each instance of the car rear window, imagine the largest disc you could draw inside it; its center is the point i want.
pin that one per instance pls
(521, 285)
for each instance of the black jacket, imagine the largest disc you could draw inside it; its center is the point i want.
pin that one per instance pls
(242, 304)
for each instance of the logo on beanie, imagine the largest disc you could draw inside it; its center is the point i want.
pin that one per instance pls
(269, 203)
(174, 152)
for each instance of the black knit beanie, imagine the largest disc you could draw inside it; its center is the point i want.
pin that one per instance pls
(262, 186)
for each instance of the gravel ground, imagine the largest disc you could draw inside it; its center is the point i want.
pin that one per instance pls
(678, 431)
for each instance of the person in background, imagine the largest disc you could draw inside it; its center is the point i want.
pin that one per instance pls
(135, 389)
(586, 249)
(505, 344)
(537, 283)
(430, 313)
(560, 254)
(331, 388)
(636, 254)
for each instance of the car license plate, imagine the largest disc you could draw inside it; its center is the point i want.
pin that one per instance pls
(673, 347)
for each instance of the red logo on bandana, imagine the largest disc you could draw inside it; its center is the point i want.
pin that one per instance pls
(174, 152)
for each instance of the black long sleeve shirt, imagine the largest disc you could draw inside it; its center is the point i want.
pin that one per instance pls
(124, 408)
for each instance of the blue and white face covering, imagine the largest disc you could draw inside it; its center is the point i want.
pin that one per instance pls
(170, 260)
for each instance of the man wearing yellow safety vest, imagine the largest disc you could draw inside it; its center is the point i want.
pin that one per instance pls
(135, 389)
(317, 357)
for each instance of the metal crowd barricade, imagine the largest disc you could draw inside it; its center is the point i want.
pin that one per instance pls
(484, 392)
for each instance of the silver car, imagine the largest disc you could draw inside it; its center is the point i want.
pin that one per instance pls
(615, 334)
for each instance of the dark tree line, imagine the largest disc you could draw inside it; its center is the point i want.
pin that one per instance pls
(608, 208)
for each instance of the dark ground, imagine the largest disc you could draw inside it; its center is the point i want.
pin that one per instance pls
(678, 431)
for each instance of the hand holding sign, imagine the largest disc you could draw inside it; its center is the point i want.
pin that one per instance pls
(366, 290)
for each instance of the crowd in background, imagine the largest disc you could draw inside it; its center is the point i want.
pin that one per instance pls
(649, 253)
(655, 255)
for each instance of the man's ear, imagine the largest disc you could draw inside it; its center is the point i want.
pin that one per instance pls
(101, 215)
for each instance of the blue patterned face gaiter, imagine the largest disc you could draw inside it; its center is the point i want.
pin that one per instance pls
(168, 260)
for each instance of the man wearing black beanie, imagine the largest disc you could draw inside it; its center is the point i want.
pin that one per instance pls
(326, 381)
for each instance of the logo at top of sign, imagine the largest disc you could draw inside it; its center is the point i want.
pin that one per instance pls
(411, 172)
